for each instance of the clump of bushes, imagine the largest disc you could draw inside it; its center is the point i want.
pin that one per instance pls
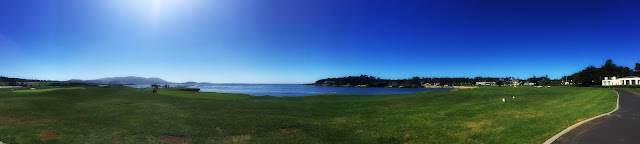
(190, 89)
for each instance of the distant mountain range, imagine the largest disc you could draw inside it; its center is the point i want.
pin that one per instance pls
(124, 80)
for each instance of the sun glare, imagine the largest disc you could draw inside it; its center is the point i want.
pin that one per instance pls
(154, 12)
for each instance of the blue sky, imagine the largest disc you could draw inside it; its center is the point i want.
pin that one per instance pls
(300, 41)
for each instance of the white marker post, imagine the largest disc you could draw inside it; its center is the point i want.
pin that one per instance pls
(503, 100)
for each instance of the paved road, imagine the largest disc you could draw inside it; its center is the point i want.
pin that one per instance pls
(621, 126)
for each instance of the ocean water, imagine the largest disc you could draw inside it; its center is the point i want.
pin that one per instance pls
(296, 89)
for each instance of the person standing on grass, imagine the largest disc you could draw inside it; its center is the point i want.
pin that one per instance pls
(155, 88)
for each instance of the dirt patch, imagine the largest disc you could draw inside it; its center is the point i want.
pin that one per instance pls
(6, 105)
(474, 126)
(580, 119)
(289, 130)
(48, 135)
(410, 135)
(92, 125)
(26, 119)
(56, 117)
(339, 120)
(241, 138)
(172, 139)
(12, 112)
(218, 129)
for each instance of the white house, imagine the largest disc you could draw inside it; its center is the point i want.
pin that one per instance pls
(515, 82)
(629, 80)
(486, 83)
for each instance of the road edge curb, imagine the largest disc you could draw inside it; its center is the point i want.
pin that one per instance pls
(568, 129)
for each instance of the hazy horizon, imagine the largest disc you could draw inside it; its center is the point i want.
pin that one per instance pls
(290, 41)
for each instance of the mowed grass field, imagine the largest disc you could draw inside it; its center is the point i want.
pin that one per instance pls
(128, 115)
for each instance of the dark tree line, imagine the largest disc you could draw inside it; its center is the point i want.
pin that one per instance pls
(593, 75)
(17, 81)
(350, 80)
(371, 81)
(8, 79)
(589, 76)
(26, 82)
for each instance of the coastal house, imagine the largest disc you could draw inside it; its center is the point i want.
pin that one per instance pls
(431, 84)
(486, 83)
(613, 81)
(570, 82)
(513, 82)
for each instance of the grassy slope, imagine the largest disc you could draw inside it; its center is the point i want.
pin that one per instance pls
(128, 115)
(635, 90)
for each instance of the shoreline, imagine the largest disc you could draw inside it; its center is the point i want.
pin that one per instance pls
(452, 87)
(6, 87)
(364, 86)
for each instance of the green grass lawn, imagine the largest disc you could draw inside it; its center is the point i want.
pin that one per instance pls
(129, 115)
(635, 90)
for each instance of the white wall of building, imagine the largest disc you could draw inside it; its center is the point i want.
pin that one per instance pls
(613, 81)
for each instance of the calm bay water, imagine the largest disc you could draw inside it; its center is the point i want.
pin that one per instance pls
(295, 89)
